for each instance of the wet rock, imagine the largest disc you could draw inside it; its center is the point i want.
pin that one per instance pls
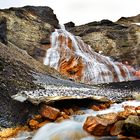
(63, 116)
(3, 30)
(49, 112)
(100, 125)
(73, 111)
(132, 125)
(37, 122)
(117, 128)
(95, 108)
(79, 112)
(100, 106)
(128, 110)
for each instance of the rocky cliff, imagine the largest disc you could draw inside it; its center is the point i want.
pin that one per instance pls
(119, 41)
(22, 31)
(27, 27)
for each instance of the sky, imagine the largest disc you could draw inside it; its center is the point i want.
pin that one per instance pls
(82, 11)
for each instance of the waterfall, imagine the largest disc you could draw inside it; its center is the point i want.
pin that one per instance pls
(77, 60)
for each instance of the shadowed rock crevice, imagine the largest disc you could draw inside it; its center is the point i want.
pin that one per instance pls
(3, 31)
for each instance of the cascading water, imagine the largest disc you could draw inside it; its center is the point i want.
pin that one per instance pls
(75, 59)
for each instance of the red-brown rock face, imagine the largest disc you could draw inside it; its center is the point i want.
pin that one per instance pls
(75, 59)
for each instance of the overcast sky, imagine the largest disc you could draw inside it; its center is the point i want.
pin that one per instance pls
(83, 11)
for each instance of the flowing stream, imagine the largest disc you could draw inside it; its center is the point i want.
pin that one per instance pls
(77, 60)
(73, 129)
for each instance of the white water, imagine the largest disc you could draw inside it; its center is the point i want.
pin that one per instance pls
(72, 129)
(67, 130)
(96, 67)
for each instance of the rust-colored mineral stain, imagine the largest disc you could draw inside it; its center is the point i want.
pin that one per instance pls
(123, 73)
(62, 39)
(72, 68)
(7, 133)
(69, 44)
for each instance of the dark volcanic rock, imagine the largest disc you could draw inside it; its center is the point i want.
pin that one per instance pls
(16, 69)
(132, 125)
(69, 25)
(3, 30)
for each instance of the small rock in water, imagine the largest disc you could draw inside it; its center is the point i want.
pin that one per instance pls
(117, 128)
(63, 116)
(132, 125)
(101, 106)
(49, 112)
(37, 122)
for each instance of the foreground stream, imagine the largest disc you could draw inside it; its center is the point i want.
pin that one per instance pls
(72, 129)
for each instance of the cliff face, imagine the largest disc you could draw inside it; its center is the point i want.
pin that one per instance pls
(121, 42)
(27, 27)
(22, 30)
